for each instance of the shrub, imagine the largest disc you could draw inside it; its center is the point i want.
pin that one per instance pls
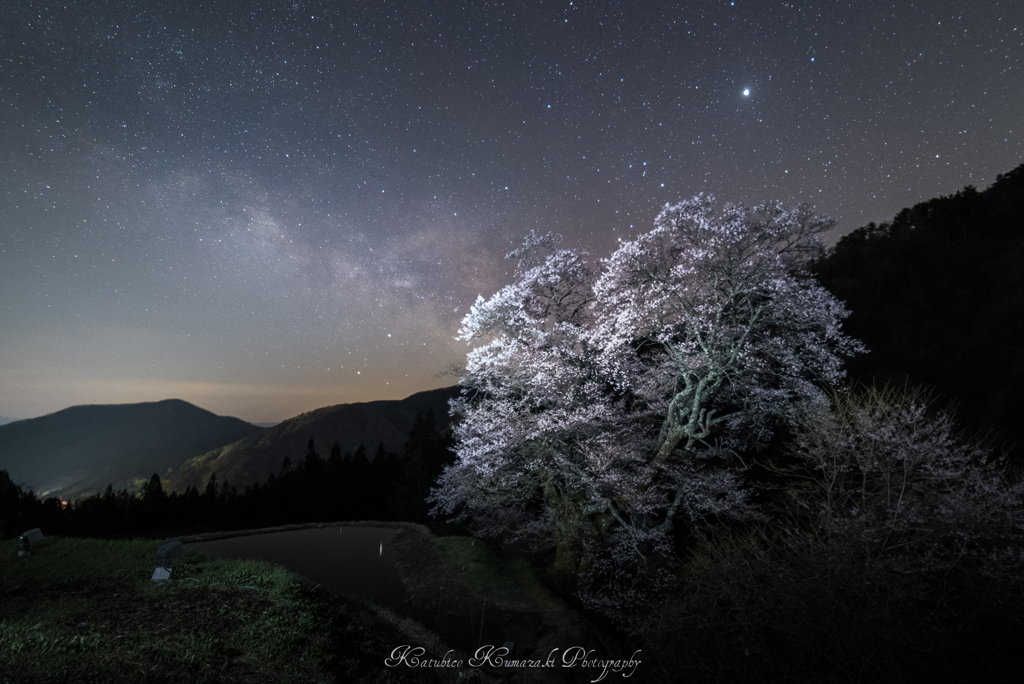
(887, 469)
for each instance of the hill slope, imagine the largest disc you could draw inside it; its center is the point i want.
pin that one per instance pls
(937, 296)
(82, 449)
(253, 458)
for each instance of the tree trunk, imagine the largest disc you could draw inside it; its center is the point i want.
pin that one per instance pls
(577, 540)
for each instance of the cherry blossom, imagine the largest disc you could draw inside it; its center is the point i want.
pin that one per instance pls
(603, 402)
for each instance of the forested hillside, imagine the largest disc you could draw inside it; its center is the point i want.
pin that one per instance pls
(310, 486)
(937, 295)
(252, 459)
(82, 449)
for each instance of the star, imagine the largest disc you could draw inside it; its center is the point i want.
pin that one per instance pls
(275, 189)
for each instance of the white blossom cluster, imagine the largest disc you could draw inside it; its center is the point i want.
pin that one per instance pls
(601, 401)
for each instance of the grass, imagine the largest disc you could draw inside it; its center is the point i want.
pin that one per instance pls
(85, 610)
(510, 580)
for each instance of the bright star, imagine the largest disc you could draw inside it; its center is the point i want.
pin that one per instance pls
(746, 92)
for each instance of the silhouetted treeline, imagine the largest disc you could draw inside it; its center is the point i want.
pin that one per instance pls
(937, 295)
(21, 510)
(310, 488)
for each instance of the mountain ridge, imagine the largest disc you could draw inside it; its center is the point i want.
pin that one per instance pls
(255, 457)
(82, 449)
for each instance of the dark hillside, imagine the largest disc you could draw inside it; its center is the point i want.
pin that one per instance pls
(252, 459)
(937, 295)
(82, 449)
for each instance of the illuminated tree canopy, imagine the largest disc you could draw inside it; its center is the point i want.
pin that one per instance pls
(603, 402)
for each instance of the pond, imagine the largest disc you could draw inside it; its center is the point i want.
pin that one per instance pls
(356, 562)
(352, 561)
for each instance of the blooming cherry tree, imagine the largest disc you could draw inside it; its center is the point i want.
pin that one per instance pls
(599, 403)
(739, 339)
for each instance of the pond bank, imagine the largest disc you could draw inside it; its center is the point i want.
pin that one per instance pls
(461, 595)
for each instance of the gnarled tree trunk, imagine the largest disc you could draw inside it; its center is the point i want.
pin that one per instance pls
(577, 538)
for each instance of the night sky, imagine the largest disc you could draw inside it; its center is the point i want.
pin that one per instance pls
(265, 212)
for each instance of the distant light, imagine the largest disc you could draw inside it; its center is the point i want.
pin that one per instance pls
(746, 92)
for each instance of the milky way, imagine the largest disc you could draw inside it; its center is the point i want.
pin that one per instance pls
(270, 211)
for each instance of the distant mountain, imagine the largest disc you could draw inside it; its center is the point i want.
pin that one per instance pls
(252, 459)
(82, 449)
(4, 420)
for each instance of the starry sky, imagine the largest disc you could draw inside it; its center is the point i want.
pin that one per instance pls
(268, 207)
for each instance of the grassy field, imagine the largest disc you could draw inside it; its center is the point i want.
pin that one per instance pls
(85, 610)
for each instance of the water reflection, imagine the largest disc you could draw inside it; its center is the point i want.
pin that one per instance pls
(339, 559)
